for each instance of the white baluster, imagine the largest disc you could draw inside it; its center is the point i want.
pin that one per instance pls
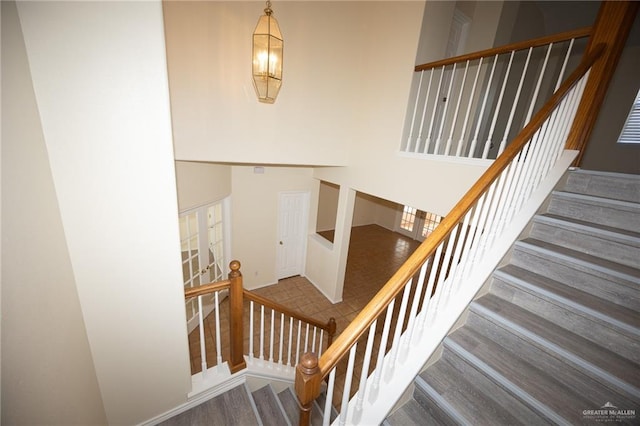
(398, 331)
(271, 335)
(290, 341)
(306, 338)
(415, 110)
(298, 343)
(326, 418)
(459, 252)
(364, 373)
(443, 118)
(218, 334)
(347, 386)
(203, 349)
(424, 115)
(261, 332)
(445, 270)
(433, 113)
(487, 144)
(564, 65)
(415, 304)
(503, 142)
(320, 343)
(474, 141)
(377, 375)
(461, 142)
(447, 147)
(251, 330)
(281, 338)
(474, 230)
(534, 98)
(313, 341)
(434, 261)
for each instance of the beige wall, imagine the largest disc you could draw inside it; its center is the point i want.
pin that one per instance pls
(254, 212)
(370, 210)
(327, 206)
(48, 376)
(201, 183)
(99, 76)
(367, 209)
(375, 168)
(215, 111)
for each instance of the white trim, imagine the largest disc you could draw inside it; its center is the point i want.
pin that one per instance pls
(446, 158)
(225, 382)
(220, 380)
(322, 241)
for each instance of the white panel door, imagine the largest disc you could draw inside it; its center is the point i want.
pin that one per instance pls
(293, 210)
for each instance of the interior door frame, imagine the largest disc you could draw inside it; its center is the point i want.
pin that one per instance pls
(304, 233)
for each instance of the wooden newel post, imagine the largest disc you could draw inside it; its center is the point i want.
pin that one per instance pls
(332, 330)
(236, 327)
(307, 385)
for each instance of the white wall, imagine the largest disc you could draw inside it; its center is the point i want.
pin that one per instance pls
(254, 212)
(201, 183)
(48, 376)
(100, 82)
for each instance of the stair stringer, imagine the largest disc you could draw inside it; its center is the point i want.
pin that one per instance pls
(399, 377)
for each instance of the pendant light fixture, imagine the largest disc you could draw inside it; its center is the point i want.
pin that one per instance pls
(267, 57)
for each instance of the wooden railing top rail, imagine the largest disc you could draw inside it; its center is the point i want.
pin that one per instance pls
(206, 289)
(283, 309)
(396, 283)
(542, 41)
(201, 290)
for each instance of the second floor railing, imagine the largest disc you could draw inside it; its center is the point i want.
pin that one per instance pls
(472, 105)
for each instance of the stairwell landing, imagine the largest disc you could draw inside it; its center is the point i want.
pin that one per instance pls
(555, 336)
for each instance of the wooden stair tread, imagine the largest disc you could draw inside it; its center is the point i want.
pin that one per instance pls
(566, 294)
(555, 336)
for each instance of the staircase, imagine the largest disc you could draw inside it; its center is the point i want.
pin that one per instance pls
(241, 406)
(555, 338)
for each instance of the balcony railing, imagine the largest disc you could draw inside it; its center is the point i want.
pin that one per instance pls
(473, 105)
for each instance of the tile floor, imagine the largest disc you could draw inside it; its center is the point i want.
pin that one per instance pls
(375, 253)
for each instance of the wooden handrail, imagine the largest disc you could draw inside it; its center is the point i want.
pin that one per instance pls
(396, 283)
(201, 290)
(542, 41)
(293, 314)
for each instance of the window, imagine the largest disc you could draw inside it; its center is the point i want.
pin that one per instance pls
(417, 224)
(204, 253)
(631, 130)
